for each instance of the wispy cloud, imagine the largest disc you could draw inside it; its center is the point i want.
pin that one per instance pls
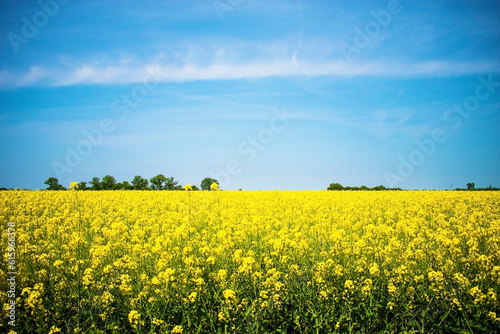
(135, 73)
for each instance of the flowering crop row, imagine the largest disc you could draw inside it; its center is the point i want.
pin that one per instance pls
(252, 262)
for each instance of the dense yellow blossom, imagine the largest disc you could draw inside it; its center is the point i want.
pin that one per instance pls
(252, 262)
(177, 330)
(229, 294)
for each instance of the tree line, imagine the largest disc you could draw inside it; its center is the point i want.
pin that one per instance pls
(338, 186)
(108, 182)
(161, 182)
(470, 186)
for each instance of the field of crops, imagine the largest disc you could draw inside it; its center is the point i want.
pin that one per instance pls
(251, 262)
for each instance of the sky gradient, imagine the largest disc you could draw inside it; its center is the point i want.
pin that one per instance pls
(258, 94)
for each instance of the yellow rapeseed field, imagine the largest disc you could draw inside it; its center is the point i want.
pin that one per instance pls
(251, 262)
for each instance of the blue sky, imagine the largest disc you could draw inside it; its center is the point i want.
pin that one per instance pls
(258, 94)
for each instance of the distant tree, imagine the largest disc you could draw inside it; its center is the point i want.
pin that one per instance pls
(471, 186)
(95, 183)
(335, 186)
(158, 182)
(53, 184)
(195, 188)
(381, 187)
(171, 184)
(207, 182)
(126, 186)
(83, 186)
(364, 188)
(140, 183)
(108, 182)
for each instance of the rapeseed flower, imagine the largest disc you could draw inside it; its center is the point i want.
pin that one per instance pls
(248, 254)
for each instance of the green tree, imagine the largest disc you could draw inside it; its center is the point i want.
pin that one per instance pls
(158, 182)
(95, 183)
(195, 188)
(381, 187)
(207, 182)
(171, 184)
(53, 184)
(83, 186)
(126, 186)
(471, 186)
(140, 183)
(335, 186)
(108, 182)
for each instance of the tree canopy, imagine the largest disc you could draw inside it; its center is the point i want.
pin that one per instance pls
(207, 182)
(53, 184)
(140, 183)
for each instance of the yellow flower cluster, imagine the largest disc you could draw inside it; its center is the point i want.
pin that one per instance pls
(253, 262)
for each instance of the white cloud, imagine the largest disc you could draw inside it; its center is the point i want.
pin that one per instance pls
(35, 75)
(289, 67)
